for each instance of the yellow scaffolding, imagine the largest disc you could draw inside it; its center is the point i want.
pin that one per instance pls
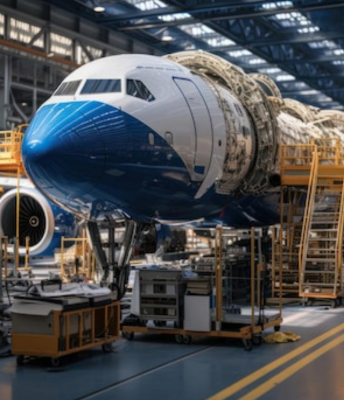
(11, 164)
(79, 258)
(319, 167)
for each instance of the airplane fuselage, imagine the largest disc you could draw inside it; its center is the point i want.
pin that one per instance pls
(147, 136)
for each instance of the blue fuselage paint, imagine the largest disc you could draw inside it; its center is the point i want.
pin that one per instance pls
(92, 157)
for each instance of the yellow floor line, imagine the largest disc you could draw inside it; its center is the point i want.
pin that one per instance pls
(223, 394)
(282, 376)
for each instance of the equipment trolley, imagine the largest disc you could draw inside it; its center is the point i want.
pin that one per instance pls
(62, 332)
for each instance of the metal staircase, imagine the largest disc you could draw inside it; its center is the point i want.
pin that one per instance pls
(320, 245)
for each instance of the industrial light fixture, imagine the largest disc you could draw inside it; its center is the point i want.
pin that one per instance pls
(98, 9)
(166, 37)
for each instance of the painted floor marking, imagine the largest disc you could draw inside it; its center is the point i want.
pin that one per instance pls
(282, 376)
(241, 384)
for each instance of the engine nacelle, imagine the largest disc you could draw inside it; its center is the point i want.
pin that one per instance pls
(39, 219)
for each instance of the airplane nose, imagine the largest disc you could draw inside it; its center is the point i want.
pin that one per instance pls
(63, 151)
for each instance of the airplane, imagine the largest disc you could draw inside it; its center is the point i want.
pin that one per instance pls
(184, 137)
(39, 219)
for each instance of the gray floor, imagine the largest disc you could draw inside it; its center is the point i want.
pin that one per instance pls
(155, 367)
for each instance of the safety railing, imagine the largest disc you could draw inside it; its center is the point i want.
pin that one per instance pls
(10, 146)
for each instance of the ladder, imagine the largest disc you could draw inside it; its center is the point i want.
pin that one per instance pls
(321, 246)
(286, 243)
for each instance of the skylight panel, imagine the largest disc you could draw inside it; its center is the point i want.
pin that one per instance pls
(296, 20)
(322, 44)
(147, 4)
(309, 29)
(324, 99)
(174, 17)
(219, 41)
(311, 92)
(285, 78)
(277, 4)
(299, 85)
(239, 53)
(197, 30)
(208, 35)
(256, 61)
(269, 71)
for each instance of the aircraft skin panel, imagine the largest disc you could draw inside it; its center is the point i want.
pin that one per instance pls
(202, 126)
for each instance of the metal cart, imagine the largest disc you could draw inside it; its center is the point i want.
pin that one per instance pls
(63, 332)
(200, 319)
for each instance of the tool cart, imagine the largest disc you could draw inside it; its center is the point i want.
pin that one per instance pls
(195, 305)
(57, 326)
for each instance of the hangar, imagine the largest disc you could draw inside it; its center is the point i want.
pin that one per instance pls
(191, 152)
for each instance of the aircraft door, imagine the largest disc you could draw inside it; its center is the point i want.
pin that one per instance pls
(202, 125)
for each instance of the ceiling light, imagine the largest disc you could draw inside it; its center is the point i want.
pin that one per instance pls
(98, 9)
(167, 38)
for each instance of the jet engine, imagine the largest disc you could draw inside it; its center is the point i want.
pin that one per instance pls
(39, 219)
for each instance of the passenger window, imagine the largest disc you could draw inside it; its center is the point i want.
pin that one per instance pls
(138, 89)
(101, 86)
(67, 88)
(151, 139)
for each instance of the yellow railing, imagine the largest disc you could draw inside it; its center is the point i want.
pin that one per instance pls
(330, 152)
(10, 146)
(308, 209)
(339, 242)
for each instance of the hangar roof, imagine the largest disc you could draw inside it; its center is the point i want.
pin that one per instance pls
(298, 43)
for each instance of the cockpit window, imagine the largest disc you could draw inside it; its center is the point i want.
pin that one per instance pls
(138, 89)
(101, 86)
(67, 88)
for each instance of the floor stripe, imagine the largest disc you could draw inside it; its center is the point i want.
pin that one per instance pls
(230, 390)
(282, 376)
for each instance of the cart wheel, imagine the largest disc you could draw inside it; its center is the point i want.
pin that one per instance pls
(179, 339)
(247, 344)
(55, 362)
(20, 360)
(107, 347)
(187, 339)
(128, 335)
(257, 340)
(277, 328)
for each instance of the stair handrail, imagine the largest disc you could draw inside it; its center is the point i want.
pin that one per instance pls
(339, 244)
(309, 206)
